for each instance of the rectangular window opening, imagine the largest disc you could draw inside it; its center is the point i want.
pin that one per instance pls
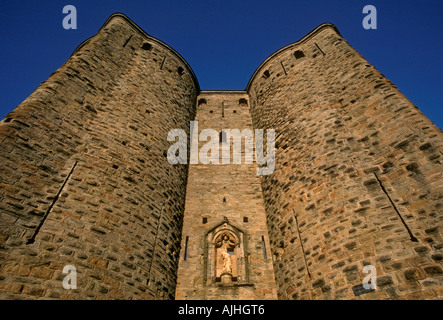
(298, 54)
(147, 46)
(223, 137)
(242, 101)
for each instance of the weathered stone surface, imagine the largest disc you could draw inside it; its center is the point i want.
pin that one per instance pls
(225, 193)
(358, 165)
(85, 180)
(119, 213)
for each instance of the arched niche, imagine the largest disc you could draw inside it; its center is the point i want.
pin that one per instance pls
(226, 252)
(226, 255)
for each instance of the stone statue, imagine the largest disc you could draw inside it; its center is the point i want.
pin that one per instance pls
(227, 263)
(223, 246)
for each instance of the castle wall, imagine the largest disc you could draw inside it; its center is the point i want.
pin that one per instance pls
(354, 158)
(224, 197)
(85, 180)
(84, 176)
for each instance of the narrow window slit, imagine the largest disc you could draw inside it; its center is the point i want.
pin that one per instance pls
(319, 49)
(186, 248)
(301, 244)
(413, 239)
(283, 67)
(124, 45)
(163, 63)
(265, 255)
(32, 239)
(222, 136)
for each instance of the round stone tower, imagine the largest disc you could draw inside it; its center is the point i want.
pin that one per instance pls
(85, 185)
(358, 177)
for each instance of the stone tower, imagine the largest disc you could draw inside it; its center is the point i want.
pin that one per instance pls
(225, 200)
(84, 175)
(86, 182)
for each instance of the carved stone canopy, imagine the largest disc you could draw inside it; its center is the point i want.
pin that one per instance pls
(226, 240)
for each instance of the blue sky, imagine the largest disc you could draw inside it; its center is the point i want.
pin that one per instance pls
(224, 41)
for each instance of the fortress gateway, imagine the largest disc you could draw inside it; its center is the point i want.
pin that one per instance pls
(85, 180)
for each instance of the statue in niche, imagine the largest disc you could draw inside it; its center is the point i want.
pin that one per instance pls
(226, 259)
(227, 263)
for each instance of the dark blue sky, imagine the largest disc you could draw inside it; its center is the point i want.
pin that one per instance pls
(224, 41)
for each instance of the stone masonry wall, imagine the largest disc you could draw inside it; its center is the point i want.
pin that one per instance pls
(84, 176)
(85, 180)
(358, 178)
(218, 193)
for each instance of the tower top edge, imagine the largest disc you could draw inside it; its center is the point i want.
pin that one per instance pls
(233, 92)
(119, 15)
(323, 26)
